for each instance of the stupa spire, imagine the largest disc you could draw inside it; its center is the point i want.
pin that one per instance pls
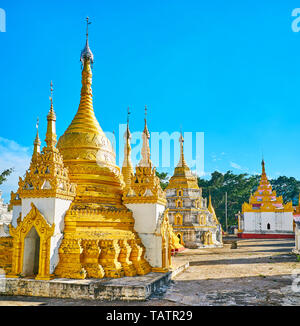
(145, 160)
(86, 150)
(212, 210)
(37, 141)
(51, 123)
(210, 206)
(86, 53)
(263, 167)
(85, 120)
(183, 176)
(182, 161)
(127, 168)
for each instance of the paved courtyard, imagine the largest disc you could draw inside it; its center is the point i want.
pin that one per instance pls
(258, 272)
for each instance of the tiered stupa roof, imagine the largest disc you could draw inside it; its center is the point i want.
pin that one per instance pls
(127, 168)
(47, 176)
(144, 186)
(183, 176)
(265, 199)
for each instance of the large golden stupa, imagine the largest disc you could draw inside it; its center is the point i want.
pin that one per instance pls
(96, 218)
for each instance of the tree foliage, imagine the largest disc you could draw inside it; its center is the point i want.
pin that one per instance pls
(4, 175)
(239, 187)
(164, 179)
(288, 188)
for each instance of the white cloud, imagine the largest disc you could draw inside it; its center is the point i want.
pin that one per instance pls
(215, 157)
(235, 166)
(13, 155)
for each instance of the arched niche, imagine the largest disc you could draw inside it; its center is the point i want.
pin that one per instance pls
(31, 237)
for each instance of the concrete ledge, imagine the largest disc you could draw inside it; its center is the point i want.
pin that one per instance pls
(126, 288)
(179, 269)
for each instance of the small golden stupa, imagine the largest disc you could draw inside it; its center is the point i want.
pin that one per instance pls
(265, 199)
(266, 215)
(195, 224)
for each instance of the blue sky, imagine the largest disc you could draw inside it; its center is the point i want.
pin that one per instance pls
(229, 69)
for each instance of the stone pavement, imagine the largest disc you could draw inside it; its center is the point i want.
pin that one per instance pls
(258, 272)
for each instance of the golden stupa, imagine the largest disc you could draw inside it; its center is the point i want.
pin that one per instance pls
(265, 198)
(182, 177)
(97, 222)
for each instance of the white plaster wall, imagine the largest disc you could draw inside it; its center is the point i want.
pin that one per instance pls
(54, 246)
(153, 245)
(297, 237)
(31, 252)
(258, 222)
(54, 211)
(147, 218)
(17, 209)
(249, 222)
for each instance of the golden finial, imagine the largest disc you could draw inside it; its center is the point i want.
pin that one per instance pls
(146, 128)
(127, 130)
(181, 162)
(51, 118)
(127, 169)
(128, 114)
(113, 140)
(86, 53)
(51, 88)
(51, 96)
(181, 139)
(37, 138)
(87, 27)
(146, 111)
(37, 141)
(145, 152)
(263, 166)
(51, 113)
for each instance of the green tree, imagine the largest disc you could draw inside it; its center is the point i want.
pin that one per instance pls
(288, 188)
(164, 179)
(4, 175)
(238, 188)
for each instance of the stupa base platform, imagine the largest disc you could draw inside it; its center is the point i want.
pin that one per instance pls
(266, 235)
(198, 245)
(125, 288)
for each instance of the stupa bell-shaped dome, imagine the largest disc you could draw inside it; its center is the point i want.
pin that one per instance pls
(86, 150)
